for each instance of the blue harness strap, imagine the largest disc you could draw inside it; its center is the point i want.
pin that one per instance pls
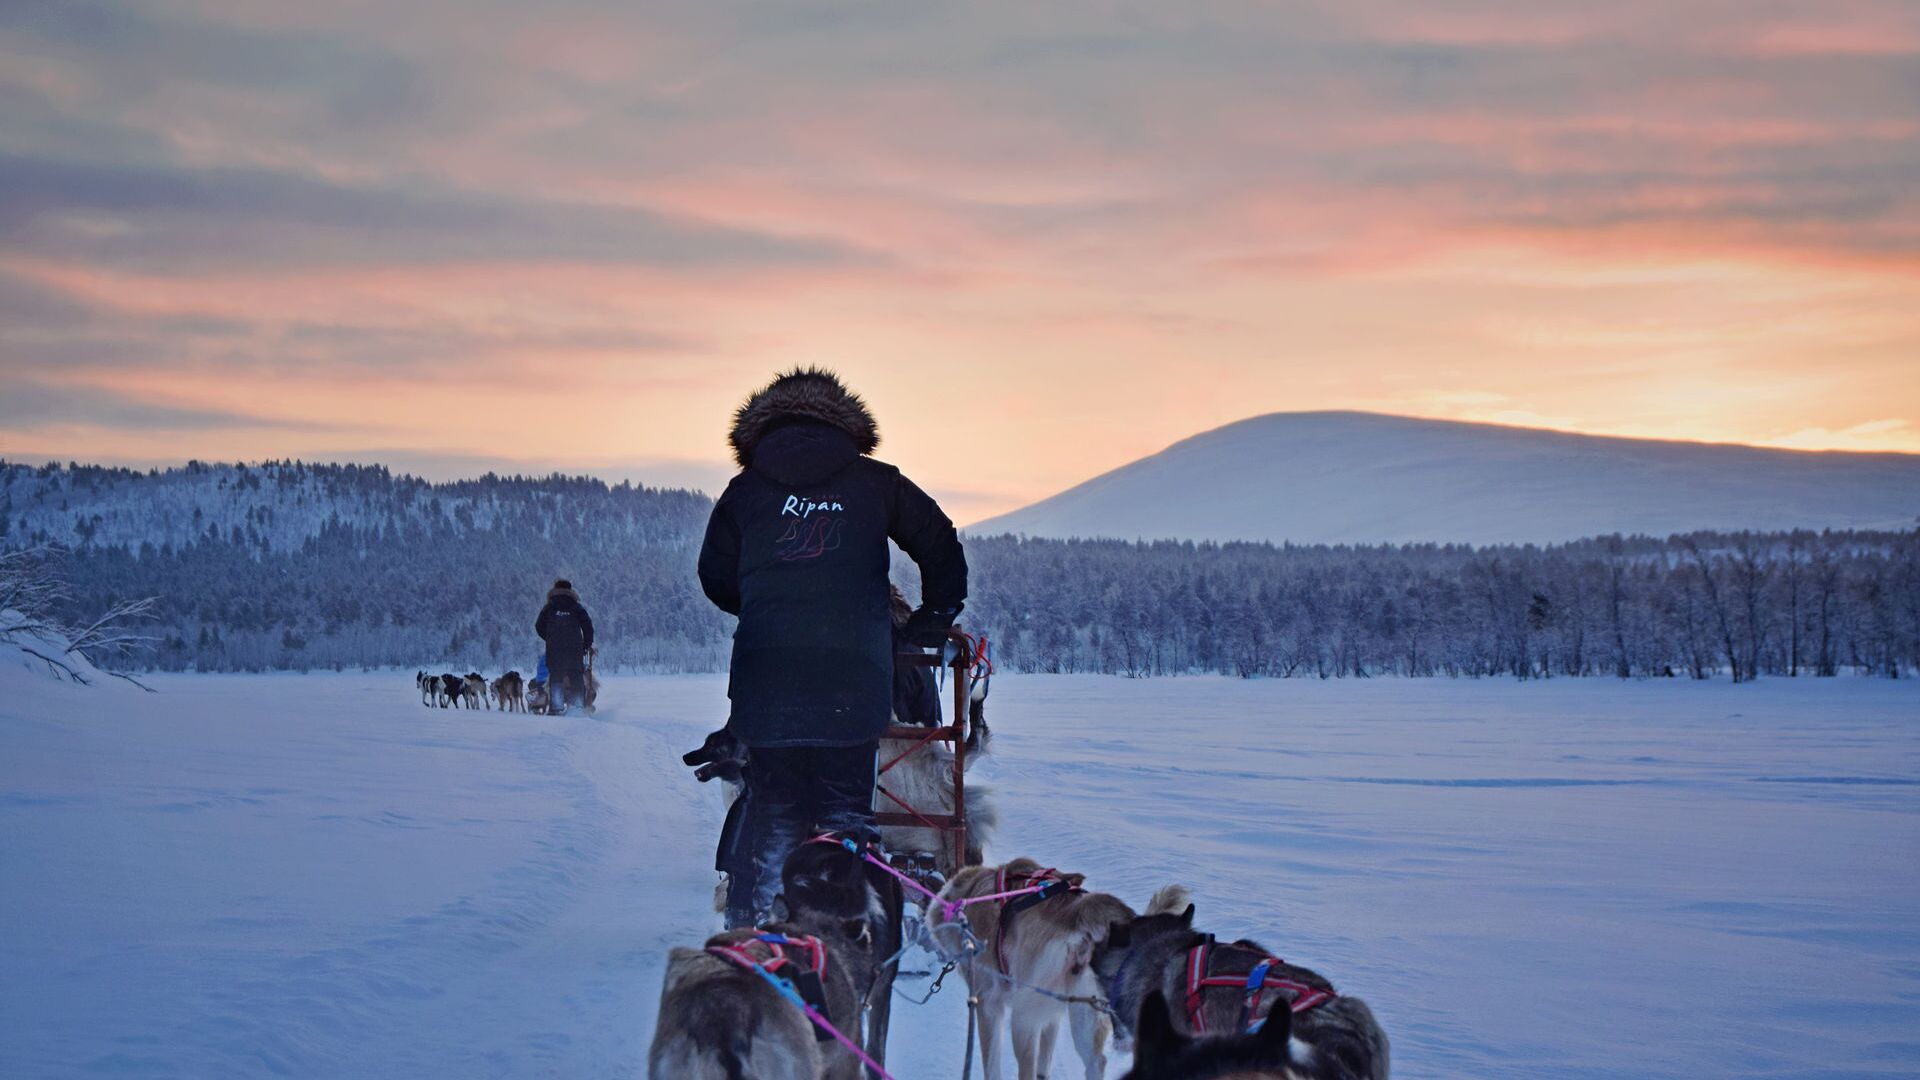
(802, 986)
(1256, 983)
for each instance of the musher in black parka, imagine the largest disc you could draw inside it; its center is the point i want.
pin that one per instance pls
(797, 548)
(568, 631)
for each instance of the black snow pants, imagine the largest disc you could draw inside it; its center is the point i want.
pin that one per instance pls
(794, 793)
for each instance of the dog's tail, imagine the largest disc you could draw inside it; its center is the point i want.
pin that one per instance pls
(1171, 900)
(733, 1056)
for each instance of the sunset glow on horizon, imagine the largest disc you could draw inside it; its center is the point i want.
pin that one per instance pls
(1041, 242)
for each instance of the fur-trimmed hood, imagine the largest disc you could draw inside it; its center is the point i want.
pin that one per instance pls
(802, 394)
(559, 591)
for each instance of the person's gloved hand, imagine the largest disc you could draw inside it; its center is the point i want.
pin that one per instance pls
(927, 627)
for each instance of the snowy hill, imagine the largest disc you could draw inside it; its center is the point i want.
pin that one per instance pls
(1349, 477)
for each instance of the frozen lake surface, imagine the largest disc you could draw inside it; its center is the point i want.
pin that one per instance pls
(314, 876)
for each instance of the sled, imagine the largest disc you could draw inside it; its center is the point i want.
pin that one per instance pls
(543, 698)
(957, 654)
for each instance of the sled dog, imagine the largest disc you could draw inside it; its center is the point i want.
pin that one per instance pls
(1163, 1053)
(508, 692)
(721, 1020)
(922, 779)
(474, 689)
(428, 686)
(824, 880)
(452, 689)
(1332, 1036)
(1044, 940)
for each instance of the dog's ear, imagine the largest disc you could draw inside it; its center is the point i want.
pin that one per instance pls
(1074, 881)
(858, 930)
(1156, 1040)
(1186, 917)
(1273, 1034)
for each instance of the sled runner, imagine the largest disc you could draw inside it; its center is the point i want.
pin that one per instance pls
(966, 656)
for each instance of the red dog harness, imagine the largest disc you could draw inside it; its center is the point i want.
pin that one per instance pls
(805, 983)
(1035, 888)
(1253, 986)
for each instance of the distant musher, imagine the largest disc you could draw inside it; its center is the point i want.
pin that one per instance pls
(797, 548)
(568, 631)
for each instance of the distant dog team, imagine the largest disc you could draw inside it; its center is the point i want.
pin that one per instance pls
(508, 693)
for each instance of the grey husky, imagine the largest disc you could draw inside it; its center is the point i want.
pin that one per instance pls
(825, 879)
(1331, 1036)
(1044, 940)
(721, 1020)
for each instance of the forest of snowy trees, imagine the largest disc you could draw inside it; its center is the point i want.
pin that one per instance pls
(289, 565)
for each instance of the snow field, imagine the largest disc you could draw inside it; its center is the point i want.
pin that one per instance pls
(314, 876)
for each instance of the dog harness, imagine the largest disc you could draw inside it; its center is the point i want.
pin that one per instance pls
(802, 983)
(800, 986)
(1033, 889)
(1252, 986)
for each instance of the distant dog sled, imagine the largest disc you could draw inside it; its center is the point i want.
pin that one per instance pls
(554, 695)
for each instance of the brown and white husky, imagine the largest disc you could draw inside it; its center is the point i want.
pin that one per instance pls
(1045, 940)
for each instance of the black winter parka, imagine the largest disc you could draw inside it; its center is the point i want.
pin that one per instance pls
(568, 631)
(797, 548)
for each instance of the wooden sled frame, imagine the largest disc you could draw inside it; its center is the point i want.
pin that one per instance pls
(957, 655)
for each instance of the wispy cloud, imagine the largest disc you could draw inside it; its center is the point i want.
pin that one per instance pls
(32, 408)
(627, 214)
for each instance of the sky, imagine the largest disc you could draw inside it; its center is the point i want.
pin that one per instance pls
(1042, 240)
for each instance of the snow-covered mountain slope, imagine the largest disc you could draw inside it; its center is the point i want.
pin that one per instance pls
(315, 877)
(1348, 477)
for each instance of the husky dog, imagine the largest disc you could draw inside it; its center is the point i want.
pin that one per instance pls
(721, 1021)
(1163, 1053)
(824, 880)
(474, 689)
(452, 689)
(725, 757)
(923, 779)
(428, 686)
(1047, 941)
(1333, 1037)
(507, 691)
(719, 754)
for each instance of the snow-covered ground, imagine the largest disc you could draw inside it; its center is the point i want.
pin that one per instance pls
(314, 876)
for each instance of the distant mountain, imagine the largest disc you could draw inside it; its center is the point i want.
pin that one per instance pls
(1352, 477)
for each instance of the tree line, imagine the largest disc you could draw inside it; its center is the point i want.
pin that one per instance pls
(290, 565)
(1735, 605)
